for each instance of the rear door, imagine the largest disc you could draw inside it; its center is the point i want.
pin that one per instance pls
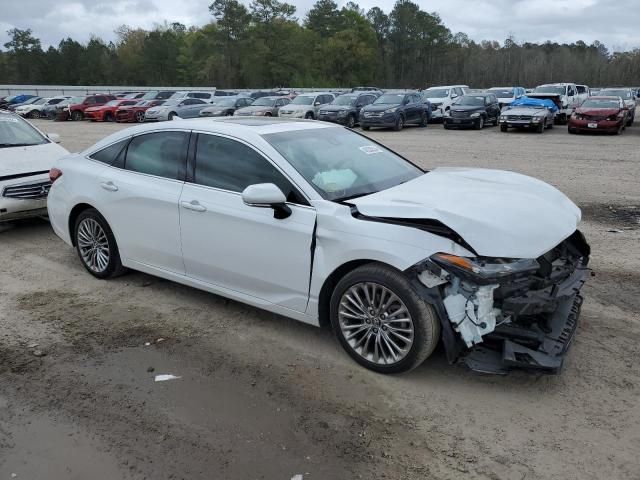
(139, 194)
(229, 244)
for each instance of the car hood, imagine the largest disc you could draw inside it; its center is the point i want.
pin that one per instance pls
(505, 99)
(522, 111)
(605, 112)
(36, 158)
(381, 107)
(296, 108)
(438, 100)
(498, 213)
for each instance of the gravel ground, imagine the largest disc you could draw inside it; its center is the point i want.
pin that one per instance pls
(264, 397)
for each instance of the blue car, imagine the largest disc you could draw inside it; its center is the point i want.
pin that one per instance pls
(14, 100)
(395, 110)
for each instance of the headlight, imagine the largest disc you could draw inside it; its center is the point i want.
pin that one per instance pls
(485, 268)
(391, 110)
(503, 117)
(342, 113)
(475, 115)
(446, 114)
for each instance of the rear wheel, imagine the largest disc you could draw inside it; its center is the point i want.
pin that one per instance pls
(96, 245)
(171, 115)
(381, 321)
(366, 128)
(77, 115)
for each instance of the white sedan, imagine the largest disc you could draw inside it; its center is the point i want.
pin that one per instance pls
(26, 156)
(324, 225)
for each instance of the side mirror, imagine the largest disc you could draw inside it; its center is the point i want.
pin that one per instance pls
(54, 137)
(317, 104)
(454, 95)
(267, 195)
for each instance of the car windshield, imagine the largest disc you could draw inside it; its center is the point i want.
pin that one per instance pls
(344, 100)
(626, 94)
(112, 103)
(600, 103)
(55, 101)
(15, 132)
(224, 102)
(303, 100)
(550, 89)
(341, 164)
(172, 102)
(470, 100)
(31, 101)
(390, 99)
(264, 102)
(436, 93)
(502, 92)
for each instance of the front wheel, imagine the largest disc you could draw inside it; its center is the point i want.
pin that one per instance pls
(96, 245)
(504, 128)
(171, 115)
(34, 114)
(308, 116)
(139, 116)
(424, 120)
(399, 123)
(77, 115)
(381, 321)
(480, 123)
(351, 121)
(366, 128)
(541, 126)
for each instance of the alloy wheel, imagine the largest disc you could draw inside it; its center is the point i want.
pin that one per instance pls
(93, 245)
(376, 323)
(139, 117)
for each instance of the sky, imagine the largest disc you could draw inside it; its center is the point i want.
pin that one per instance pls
(614, 22)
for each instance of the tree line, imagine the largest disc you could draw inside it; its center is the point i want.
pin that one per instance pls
(265, 45)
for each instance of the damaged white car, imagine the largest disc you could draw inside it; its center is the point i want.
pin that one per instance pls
(324, 225)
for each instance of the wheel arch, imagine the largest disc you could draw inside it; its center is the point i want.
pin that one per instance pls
(73, 216)
(324, 298)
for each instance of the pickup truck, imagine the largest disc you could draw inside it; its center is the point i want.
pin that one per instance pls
(565, 95)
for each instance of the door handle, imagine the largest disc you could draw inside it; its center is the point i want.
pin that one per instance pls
(109, 186)
(194, 205)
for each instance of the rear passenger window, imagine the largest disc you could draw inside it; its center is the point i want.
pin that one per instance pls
(161, 154)
(109, 154)
(230, 165)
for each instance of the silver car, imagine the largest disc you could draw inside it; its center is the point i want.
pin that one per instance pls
(533, 117)
(183, 108)
(307, 105)
(265, 106)
(225, 106)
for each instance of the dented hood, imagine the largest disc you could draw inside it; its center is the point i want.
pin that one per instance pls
(498, 213)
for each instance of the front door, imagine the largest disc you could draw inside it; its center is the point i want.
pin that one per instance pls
(240, 247)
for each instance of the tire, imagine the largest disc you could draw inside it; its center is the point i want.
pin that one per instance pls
(504, 128)
(77, 115)
(480, 124)
(308, 116)
(540, 128)
(619, 131)
(108, 117)
(424, 120)
(399, 125)
(351, 121)
(572, 131)
(496, 121)
(171, 115)
(139, 116)
(34, 114)
(550, 125)
(421, 325)
(91, 230)
(268, 114)
(445, 125)
(366, 128)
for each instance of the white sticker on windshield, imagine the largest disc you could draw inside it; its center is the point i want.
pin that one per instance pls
(8, 119)
(371, 149)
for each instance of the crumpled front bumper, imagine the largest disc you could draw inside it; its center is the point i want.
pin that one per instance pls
(529, 319)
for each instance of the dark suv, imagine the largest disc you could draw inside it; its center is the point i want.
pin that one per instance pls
(394, 110)
(345, 109)
(473, 110)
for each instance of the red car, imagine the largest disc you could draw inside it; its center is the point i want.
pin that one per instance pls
(106, 112)
(135, 113)
(599, 114)
(76, 110)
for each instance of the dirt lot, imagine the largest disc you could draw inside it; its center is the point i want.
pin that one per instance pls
(264, 397)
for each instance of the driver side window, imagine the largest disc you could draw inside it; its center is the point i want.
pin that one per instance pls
(230, 165)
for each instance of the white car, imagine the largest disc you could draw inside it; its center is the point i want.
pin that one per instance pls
(506, 95)
(565, 95)
(441, 98)
(306, 105)
(324, 225)
(35, 109)
(26, 155)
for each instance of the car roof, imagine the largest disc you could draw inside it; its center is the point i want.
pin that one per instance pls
(604, 97)
(478, 94)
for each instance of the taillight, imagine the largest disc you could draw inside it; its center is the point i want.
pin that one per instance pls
(54, 174)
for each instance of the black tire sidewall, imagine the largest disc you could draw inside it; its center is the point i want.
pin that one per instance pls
(115, 266)
(423, 344)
